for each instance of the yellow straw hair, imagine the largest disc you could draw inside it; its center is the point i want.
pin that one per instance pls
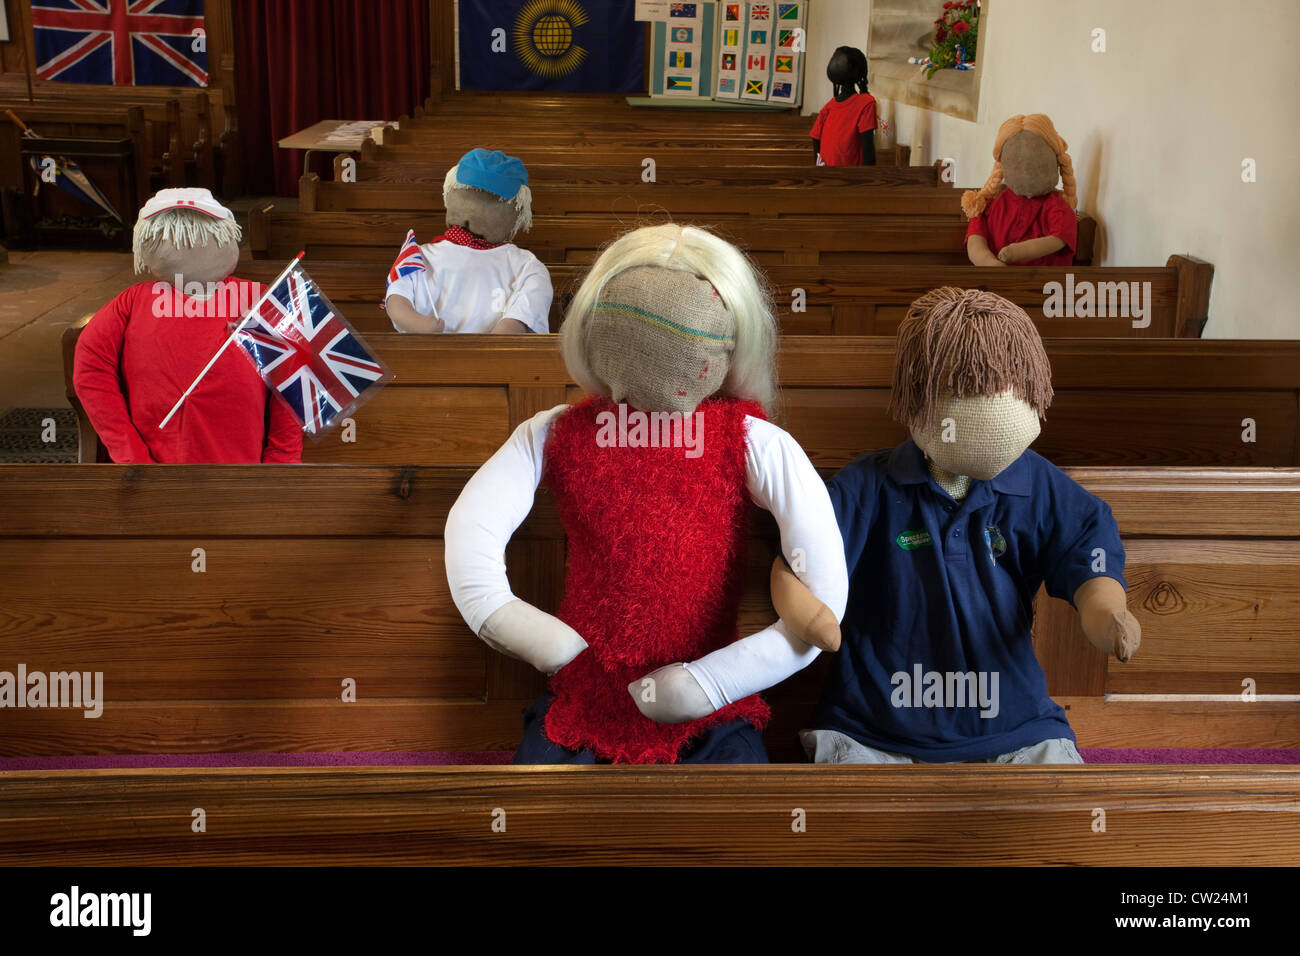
(973, 202)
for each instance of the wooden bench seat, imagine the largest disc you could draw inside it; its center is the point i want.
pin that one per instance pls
(846, 299)
(455, 399)
(655, 816)
(235, 658)
(809, 240)
(635, 198)
(669, 170)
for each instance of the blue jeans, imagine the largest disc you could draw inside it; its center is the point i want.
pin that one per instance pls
(734, 742)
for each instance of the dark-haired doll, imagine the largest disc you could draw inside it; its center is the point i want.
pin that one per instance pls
(844, 134)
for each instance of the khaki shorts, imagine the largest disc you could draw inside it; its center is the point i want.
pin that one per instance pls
(831, 746)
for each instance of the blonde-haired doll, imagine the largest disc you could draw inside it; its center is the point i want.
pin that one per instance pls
(1019, 217)
(672, 335)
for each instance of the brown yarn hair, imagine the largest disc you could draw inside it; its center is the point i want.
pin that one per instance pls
(970, 342)
(973, 202)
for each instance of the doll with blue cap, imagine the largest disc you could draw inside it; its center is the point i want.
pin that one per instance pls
(473, 278)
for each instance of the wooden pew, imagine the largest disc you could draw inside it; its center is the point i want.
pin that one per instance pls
(66, 121)
(847, 300)
(316, 575)
(655, 816)
(641, 198)
(669, 170)
(186, 125)
(455, 400)
(807, 240)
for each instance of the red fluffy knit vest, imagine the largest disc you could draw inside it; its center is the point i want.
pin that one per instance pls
(657, 547)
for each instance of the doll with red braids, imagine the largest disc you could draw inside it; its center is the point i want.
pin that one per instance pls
(654, 475)
(1019, 217)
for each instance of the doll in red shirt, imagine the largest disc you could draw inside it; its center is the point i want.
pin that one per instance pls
(1019, 217)
(139, 353)
(844, 134)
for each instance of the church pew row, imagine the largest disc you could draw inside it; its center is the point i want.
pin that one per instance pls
(669, 170)
(808, 240)
(634, 198)
(318, 579)
(862, 299)
(194, 130)
(455, 399)
(612, 153)
(71, 122)
(655, 816)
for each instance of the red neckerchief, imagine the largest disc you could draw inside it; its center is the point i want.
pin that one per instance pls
(463, 237)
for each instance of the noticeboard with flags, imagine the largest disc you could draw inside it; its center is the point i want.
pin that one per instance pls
(121, 42)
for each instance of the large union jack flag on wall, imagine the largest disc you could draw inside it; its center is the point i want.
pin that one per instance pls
(124, 42)
(310, 354)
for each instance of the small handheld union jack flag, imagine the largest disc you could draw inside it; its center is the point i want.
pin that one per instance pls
(309, 353)
(409, 260)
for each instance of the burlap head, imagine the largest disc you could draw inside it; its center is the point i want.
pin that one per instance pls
(660, 339)
(987, 432)
(1029, 165)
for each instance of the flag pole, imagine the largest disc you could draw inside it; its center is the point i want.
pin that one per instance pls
(257, 305)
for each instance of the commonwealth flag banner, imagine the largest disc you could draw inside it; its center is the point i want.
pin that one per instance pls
(576, 46)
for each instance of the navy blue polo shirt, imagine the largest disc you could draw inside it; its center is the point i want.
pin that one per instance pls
(937, 660)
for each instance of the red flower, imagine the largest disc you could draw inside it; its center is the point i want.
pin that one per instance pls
(949, 6)
(940, 35)
(961, 26)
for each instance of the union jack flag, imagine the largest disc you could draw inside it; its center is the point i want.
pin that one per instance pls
(123, 42)
(309, 353)
(760, 11)
(409, 261)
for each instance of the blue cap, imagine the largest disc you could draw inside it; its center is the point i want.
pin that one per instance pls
(493, 171)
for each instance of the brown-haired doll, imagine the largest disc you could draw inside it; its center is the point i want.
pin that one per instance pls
(1019, 217)
(947, 538)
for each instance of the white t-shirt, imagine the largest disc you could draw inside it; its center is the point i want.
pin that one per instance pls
(779, 478)
(474, 289)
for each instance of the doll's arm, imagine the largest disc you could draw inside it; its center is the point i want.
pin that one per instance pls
(96, 381)
(804, 615)
(868, 147)
(510, 327)
(528, 309)
(979, 253)
(782, 480)
(1030, 248)
(1106, 620)
(407, 319)
(494, 502)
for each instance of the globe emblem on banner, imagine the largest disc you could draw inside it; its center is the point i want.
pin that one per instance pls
(552, 35)
(545, 33)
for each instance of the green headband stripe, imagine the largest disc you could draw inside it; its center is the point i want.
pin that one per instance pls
(675, 327)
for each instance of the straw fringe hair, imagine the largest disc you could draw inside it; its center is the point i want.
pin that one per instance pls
(523, 201)
(973, 202)
(969, 342)
(184, 229)
(752, 373)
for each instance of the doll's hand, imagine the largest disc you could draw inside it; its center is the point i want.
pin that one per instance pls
(1125, 634)
(1009, 253)
(670, 695)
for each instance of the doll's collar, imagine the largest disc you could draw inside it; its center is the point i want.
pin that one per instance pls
(459, 236)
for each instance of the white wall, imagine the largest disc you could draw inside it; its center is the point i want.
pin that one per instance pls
(1158, 126)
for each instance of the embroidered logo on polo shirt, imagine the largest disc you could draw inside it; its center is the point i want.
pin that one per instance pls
(911, 540)
(997, 544)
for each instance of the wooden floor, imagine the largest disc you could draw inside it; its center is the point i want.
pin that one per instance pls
(666, 816)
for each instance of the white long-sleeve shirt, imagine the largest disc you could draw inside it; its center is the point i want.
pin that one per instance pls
(474, 289)
(779, 478)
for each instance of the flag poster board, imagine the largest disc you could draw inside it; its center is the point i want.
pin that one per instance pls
(731, 51)
(683, 50)
(760, 52)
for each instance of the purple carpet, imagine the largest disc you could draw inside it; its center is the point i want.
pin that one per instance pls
(444, 758)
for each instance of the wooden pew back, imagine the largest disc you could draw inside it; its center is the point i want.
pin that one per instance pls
(314, 577)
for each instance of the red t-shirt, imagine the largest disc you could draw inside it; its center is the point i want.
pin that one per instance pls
(139, 353)
(1010, 218)
(839, 127)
